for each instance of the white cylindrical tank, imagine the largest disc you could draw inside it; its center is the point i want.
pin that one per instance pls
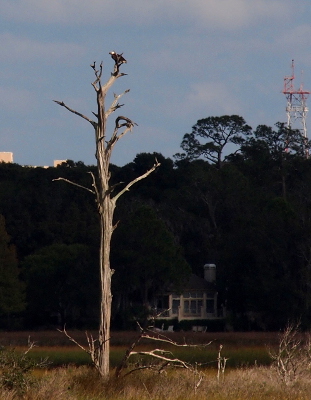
(210, 272)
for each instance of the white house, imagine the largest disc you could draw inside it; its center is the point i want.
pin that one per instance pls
(198, 300)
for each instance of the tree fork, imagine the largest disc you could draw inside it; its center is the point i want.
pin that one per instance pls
(99, 349)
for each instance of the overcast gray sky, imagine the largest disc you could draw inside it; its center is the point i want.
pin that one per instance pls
(187, 60)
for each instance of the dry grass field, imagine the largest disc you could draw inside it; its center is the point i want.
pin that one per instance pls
(82, 383)
(249, 374)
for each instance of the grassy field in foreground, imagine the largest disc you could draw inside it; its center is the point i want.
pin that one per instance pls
(249, 374)
(242, 349)
(239, 357)
(82, 383)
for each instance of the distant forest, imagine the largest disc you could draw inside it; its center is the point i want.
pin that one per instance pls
(248, 210)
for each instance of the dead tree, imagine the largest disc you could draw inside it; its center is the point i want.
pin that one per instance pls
(162, 357)
(106, 198)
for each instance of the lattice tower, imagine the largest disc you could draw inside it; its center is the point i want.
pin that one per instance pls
(296, 108)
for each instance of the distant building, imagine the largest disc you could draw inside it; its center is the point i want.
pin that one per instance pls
(59, 162)
(6, 156)
(198, 299)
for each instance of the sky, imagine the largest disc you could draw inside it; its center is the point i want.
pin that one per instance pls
(186, 60)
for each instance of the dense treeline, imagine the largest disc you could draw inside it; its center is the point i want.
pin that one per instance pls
(237, 197)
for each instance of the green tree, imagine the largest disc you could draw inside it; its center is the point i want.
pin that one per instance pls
(278, 142)
(11, 288)
(211, 135)
(273, 150)
(61, 281)
(146, 257)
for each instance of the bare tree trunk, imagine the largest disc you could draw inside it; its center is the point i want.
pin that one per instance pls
(99, 349)
(106, 296)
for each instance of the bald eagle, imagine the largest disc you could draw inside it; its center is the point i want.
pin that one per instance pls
(118, 58)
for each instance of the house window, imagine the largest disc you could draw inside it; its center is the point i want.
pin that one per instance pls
(193, 295)
(193, 307)
(210, 309)
(175, 306)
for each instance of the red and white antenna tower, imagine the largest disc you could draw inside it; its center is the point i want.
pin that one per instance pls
(296, 108)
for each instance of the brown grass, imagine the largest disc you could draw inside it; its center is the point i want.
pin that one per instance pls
(83, 383)
(243, 384)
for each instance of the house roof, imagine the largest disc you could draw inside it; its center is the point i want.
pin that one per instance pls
(195, 283)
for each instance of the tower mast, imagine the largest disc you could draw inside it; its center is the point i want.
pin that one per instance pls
(296, 108)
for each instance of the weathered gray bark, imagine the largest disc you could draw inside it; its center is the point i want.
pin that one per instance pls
(100, 349)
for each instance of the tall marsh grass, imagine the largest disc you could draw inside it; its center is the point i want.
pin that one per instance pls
(83, 383)
(248, 374)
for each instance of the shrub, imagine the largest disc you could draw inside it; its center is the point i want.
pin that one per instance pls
(292, 359)
(16, 369)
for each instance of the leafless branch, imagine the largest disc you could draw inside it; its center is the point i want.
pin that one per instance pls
(159, 354)
(221, 364)
(293, 356)
(92, 349)
(61, 103)
(115, 137)
(73, 340)
(127, 187)
(94, 186)
(157, 367)
(73, 183)
(126, 357)
(128, 122)
(115, 105)
(198, 383)
(98, 75)
(115, 75)
(163, 338)
(112, 188)
(31, 345)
